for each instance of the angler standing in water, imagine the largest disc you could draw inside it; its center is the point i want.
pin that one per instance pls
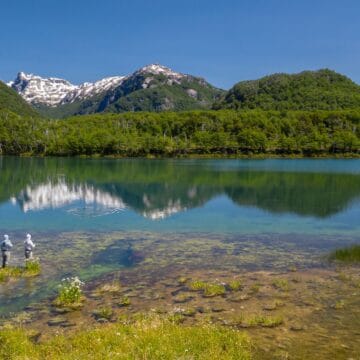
(5, 246)
(29, 246)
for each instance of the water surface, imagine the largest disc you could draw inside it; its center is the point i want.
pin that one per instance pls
(239, 196)
(90, 217)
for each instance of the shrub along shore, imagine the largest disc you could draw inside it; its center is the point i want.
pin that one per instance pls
(192, 133)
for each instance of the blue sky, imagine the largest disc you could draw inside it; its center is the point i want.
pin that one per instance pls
(224, 41)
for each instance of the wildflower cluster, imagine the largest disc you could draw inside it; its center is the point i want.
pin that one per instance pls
(70, 291)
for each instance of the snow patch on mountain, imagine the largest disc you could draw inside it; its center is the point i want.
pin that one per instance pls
(53, 91)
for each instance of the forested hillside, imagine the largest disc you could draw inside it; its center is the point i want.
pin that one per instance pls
(10, 100)
(308, 90)
(185, 133)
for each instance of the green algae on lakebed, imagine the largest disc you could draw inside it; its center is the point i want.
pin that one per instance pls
(90, 255)
(350, 254)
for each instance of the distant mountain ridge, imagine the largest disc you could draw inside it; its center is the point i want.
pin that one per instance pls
(151, 88)
(53, 91)
(157, 88)
(309, 90)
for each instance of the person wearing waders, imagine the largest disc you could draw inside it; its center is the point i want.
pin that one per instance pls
(5, 246)
(29, 246)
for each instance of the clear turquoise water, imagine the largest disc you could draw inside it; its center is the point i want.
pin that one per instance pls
(239, 196)
(277, 212)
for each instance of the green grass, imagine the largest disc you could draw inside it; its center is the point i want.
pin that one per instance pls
(10, 272)
(31, 268)
(347, 255)
(151, 338)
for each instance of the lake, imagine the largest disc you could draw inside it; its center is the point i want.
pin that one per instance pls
(147, 220)
(317, 197)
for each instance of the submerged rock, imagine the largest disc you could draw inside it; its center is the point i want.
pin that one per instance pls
(102, 320)
(58, 321)
(296, 327)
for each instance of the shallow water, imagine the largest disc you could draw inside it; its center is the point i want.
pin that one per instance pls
(154, 220)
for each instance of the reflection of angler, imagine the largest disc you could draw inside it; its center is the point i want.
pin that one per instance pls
(29, 246)
(6, 246)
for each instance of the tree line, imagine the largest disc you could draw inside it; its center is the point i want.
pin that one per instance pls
(224, 132)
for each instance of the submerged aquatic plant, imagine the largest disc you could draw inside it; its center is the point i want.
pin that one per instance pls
(125, 301)
(265, 321)
(209, 289)
(347, 255)
(183, 298)
(214, 290)
(339, 305)
(109, 288)
(104, 313)
(254, 289)
(182, 280)
(198, 285)
(235, 285)
(281, 284)
(70, 292)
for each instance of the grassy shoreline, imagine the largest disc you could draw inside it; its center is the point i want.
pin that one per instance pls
(148, 338)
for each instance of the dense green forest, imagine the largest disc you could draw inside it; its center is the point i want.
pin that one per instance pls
(184, 133)
(308, 90)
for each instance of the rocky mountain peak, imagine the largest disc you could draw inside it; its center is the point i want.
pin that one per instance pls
(157, 69)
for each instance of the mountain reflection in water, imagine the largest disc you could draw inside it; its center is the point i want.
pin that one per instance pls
(157, 189)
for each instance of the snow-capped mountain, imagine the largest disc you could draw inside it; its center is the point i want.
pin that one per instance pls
(151, 88)
(53, 91)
